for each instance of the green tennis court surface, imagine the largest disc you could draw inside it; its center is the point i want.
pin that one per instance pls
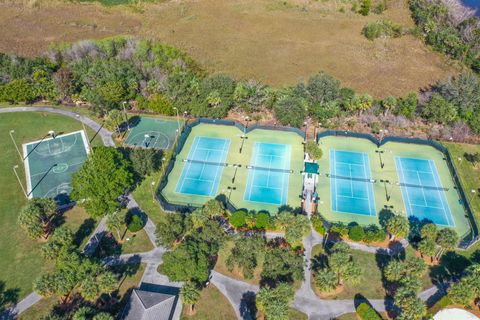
(204, 166)
(265, 175)
(153, 133)
(351, 183)
(406, 179)
(49, 165)
(422, 191)
(269, 174)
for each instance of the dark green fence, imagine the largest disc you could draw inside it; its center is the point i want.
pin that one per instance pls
(188, 207)
(468, 239)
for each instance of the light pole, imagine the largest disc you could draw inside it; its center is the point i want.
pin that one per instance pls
(473, 192)
(380, 156)
(386, 190)
(15, 167)
(151, 188)
(15, 144)
(84, 130)
(125, 115)
(178, 119)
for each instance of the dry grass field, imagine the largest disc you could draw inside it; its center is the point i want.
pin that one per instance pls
(277, 42)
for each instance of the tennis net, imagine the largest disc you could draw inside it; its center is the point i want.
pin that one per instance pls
(270, 169)
(220, 164)
(409, 185)
(333, 176)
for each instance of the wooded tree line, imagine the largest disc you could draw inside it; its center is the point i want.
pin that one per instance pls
(142, 75)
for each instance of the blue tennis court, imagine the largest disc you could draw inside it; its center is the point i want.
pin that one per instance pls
(351, 183)
(422, 191)
(204, 166)
(269, 173)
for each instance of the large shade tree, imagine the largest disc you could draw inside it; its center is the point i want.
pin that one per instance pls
(103, 177)
(274, 302)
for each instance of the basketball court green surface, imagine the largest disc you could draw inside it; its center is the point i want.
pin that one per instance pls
(409, 179)
(265, 175)
(50, 163)
(153, 133)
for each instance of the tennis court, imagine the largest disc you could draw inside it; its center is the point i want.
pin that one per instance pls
(50, 163)
(422, 190)
(269, 173)
(351, 183)
(152, 133)
(204, 166)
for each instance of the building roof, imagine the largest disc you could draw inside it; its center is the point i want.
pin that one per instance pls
(150, 305)
(311, 167)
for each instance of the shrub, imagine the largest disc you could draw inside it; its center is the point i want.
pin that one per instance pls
(374, 234)
(339, 228)
(383, 28)
(290, 111)
(238, 218)
(317, 223)
(17, 91)
(160, 104)
(314, 150)
(366, 312)
(356, 233)
(136, 223)
(262, 220)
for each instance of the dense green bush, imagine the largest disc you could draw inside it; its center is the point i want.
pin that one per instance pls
(382, 28)
(262, 220)
(290, 111)
(18, 90)
(339, 228)
(374, 234)
(314, 150)
(366, 312)
(238, 218)
(356, 233)
(135, 223)
(317, 224)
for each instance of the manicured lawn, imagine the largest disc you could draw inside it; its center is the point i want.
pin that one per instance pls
(211, 306)
(131, 243)
(126, 283)
(468, 173)
(371, 286)
(21, 262)
(143, 196)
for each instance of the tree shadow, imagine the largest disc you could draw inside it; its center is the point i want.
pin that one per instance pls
(288, 208)
(8, 298)
(452, 265)
(415, 228)
(83, 231)
(248, 308)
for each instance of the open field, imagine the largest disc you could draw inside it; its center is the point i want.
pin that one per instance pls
(21, 262)
(277, 42)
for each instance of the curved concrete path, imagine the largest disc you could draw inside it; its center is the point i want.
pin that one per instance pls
(238, 293)
(104, 133)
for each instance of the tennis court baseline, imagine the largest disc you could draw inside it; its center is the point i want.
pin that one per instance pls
(422, 191)
(351, 185)
(152, 133)
(269, 173)
(204, 166)
(50, 164)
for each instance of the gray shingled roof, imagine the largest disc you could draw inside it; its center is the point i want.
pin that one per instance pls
(148, 305)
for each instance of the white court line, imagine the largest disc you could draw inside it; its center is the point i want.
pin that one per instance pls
(439, 185)
(187, 166)
(368, 187)
(217, 168)
(402, 187)
(423, 192)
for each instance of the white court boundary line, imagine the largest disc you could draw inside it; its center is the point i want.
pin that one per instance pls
(27, 160)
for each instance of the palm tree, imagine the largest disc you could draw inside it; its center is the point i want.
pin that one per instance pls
(190, 295)
(115, 222)
(397, 226)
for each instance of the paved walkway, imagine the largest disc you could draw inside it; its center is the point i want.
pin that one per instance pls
(104, 133)
(238, 293)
